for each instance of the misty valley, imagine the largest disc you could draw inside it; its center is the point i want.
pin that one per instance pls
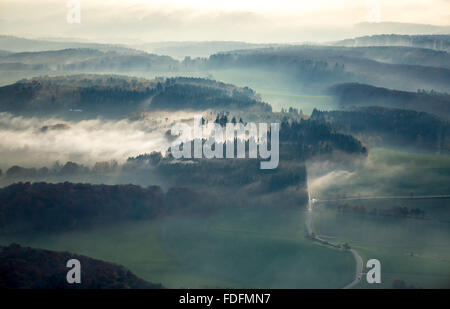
(88, 171)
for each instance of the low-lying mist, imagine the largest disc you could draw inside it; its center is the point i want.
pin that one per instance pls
(32, 142)
(383, 172)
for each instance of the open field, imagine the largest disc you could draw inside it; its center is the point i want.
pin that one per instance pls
(276, 89)
(414, 250)
(237, 249)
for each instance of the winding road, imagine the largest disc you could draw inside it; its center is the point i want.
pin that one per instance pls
(358, 259)
(309, 227)
(358, 270)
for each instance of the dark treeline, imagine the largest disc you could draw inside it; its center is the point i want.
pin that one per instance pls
(307, 138)
(44, 207)
(82, 92)
(28, 268)
(353, 94)
(200, 94)
(33, 208)
(398, 212)
(380, 126)
(57, 170)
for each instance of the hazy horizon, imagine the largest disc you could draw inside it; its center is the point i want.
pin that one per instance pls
(266, 21)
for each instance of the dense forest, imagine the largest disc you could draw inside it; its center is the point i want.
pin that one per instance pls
(354, 94)
(28, 268)
(380, 126)
(44, 207)
(110, 95)
(308, 138)
(201, 94)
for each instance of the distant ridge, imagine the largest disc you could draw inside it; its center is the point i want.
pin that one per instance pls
(436, 42)
(18, 44)
(367, 28)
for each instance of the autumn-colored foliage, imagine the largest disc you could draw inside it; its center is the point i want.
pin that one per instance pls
(28, 268)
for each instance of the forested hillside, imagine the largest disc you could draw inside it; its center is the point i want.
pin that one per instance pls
(314, 68)
(354, 94)
(28, 268)
(44, 207)
(380, 126)
(110, 95)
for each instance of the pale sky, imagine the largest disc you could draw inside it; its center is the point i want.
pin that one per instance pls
(238, 20)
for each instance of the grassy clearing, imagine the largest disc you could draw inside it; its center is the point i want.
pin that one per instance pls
(275, 88)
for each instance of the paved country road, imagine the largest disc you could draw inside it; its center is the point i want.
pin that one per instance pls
(358, 271)
(358, 259)
(309, 228)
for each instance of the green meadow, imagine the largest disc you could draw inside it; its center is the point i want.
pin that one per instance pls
(413, 250)
(416, 251)
(275, 88)
(247, 248)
